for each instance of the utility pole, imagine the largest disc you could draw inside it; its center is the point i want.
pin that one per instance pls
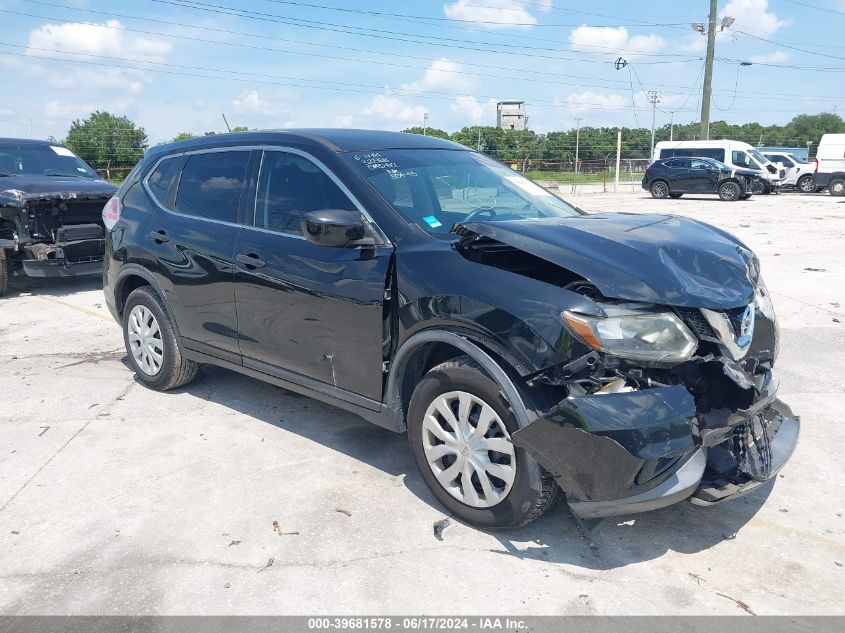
(653, 99)
(671, 126)
(618, 159)
(708, 72)
(577, 146)
(479, 139)
(425, 122)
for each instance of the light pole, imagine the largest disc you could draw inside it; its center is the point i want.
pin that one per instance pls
(425, 122)
(653, 99)
(577, 147)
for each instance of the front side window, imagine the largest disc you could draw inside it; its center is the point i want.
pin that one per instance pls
(211, 185)
(436, 189)
(289, 186)
(699, 164)
(741, 159)
(29, 159)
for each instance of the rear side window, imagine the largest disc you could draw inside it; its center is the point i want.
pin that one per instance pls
(290, 186)
(162, 179)
(211, 185)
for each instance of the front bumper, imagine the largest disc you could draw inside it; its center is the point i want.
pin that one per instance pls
(623, 453)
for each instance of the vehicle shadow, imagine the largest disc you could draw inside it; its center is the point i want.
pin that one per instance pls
(556, 537)
(52, 286)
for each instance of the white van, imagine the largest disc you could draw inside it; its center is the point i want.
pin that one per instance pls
(830, 164)
(733, 153)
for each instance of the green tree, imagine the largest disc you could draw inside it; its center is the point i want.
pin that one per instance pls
(182, 136)
(105, 139)
(430, 131)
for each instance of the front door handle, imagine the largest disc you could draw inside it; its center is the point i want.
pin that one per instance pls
(159, 237)
(250, 260)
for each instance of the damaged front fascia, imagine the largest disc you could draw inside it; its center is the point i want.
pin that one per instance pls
(606, 446)
(19, 199)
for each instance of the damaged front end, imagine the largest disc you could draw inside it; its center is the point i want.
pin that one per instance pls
(636, 436)
(54, 233)
(670, 393)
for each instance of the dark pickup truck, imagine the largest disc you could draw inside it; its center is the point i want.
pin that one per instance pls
(51, 206)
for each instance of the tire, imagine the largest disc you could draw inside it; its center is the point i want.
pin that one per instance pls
(525, 490)
(806, 184)
(659, 189)
(730, 191)
(675, 196)
(836, 187)
(142, 313)
(5, 272)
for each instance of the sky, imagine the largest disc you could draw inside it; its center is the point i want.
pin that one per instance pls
(178, 65)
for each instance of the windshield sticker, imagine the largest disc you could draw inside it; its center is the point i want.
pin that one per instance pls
(375, 161)
(62, 151)
(432, 221)
(528, 186)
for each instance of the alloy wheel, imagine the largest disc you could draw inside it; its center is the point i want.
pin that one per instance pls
(660, 190)
(468, 449)
(807, 185)
(145, 342)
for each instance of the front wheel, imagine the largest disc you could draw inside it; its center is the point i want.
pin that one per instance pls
(729, 191)
(659, 189)
(151, 343)
(806, 184)
(837, 187)
(459, 427)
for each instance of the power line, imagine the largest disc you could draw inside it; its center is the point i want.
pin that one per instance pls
(817, 8)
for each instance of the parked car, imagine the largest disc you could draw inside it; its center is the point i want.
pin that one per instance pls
(673, 177)
(735, 154)
(830, 164)
(523, 345)
(50, 212)
(799, 174)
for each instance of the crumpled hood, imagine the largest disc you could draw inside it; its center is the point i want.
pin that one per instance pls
(653, 258)
(15, 191)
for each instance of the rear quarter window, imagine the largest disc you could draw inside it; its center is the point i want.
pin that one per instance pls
(162, 180)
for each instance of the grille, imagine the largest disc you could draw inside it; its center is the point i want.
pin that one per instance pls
(696, 321)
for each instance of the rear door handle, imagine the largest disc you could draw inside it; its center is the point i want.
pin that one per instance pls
(250, 260)
(159, 237)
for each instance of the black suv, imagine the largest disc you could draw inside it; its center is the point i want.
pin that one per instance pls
(673, 177)
(524, 345)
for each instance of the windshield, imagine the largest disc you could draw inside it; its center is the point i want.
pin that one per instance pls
(758, 156)
(436, 189)
(41, 160)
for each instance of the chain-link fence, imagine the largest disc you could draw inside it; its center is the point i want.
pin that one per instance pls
(586, 175)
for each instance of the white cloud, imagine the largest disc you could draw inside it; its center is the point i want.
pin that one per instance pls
(95, 39)
(589, 100)
(443, 75)
(251, 101)
(497, 14)
(471, 111)
(777, 57)
(753, 14)
(608, 39)
(386, 107)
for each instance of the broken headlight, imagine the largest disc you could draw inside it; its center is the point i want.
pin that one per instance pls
(635, 331)
(764, 300)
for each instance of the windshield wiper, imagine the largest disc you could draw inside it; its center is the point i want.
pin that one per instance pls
(3, 173)
(62, 175)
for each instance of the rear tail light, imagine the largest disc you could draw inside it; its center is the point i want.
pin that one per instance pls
(815, 166)
(111, 212)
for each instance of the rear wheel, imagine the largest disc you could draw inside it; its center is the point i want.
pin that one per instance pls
(659, 189)
(806, 184)
(459, 427)
(836, 187)
(151, 343)
(729, 191)
(4, 272)
(675, 196)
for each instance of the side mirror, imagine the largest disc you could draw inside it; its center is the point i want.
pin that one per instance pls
(337, 228)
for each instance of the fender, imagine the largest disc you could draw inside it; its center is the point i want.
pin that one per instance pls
(136, 270)
(393, 399)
